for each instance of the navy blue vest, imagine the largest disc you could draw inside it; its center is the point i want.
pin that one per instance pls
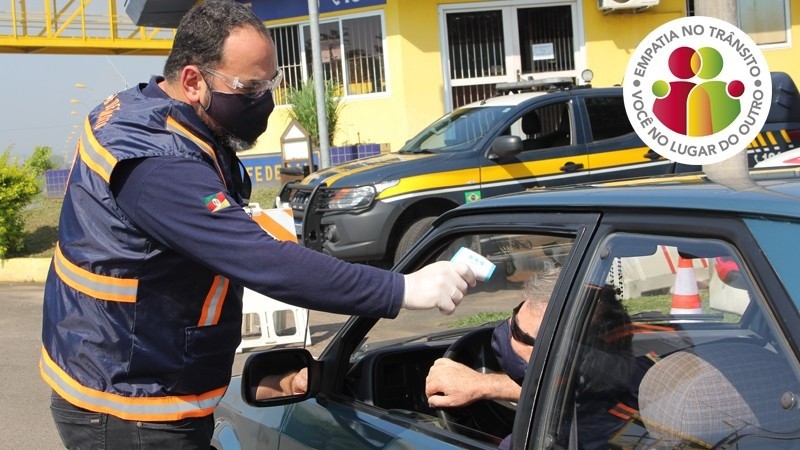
(130, 327)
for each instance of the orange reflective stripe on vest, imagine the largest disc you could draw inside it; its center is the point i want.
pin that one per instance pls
(94, 155)
(166, 408)
(98, 286)
(177, 128)
(212, 307)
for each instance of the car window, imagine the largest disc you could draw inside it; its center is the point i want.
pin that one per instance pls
(607, 117)
(457, 130)
(392, 377)
(772, 237)
(671, 347)
(543, 127)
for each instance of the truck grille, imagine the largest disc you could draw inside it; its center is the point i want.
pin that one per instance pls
(297, 195)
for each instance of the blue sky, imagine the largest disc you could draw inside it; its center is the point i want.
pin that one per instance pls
(37, 94)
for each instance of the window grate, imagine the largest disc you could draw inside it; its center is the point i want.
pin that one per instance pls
(463, 95)
(287, 44)
(476, 46)
(549, 26)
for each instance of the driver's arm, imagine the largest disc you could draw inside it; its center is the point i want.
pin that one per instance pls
(451, 384)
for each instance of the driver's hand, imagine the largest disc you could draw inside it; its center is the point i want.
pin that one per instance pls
(451, 384)
(292, 383)
(299, 383)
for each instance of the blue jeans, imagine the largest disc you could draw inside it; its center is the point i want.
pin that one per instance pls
(81, 429)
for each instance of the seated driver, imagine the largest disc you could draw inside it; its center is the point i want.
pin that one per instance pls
(512, 343)
(607, 373)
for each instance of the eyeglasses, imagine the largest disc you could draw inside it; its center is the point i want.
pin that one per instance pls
(516, 331)
(252, 88)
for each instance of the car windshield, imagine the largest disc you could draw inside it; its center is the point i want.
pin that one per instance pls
(458, 130)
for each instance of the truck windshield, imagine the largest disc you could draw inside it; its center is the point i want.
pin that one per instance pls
(458, 130)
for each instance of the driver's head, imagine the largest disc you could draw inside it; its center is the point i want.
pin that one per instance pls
(513, 339)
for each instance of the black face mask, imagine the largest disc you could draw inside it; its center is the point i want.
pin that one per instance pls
(240, 115)
(511, 363)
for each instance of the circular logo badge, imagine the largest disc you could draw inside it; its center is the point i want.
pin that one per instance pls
(697, 90)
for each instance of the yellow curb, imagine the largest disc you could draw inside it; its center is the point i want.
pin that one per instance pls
(24, 270)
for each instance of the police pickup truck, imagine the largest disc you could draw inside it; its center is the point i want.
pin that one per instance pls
(372, 210)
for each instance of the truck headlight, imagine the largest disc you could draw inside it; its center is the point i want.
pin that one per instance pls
(348, 198)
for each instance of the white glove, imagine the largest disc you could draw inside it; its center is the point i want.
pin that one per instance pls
(439, 285)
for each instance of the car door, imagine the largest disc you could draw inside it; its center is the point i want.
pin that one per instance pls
(614, 150)
(551, 153)
(376, 369)
(699, 363)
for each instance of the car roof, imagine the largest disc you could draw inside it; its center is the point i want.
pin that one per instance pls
(779, 159)
(517, 99)
(773, 192)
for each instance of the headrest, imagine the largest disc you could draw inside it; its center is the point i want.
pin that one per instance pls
(717, 390)
(531, 124)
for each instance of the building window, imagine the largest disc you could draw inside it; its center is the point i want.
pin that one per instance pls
(546, 40)
(765, 21)
(287, 45)
(476, 47)
(506, 43)
(352, 55)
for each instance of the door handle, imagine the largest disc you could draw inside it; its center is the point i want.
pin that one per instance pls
(571, 167)
(652, 155)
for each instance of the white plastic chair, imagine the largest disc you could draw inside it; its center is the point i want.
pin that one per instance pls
(274, 318)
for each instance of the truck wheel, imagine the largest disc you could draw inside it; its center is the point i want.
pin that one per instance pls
(412, 235)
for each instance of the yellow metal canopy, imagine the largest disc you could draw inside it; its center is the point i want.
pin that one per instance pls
(77, 27)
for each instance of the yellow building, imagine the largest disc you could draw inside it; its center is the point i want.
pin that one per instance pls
(400, 64)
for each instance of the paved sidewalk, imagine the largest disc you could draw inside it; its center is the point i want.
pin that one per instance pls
(24, 270)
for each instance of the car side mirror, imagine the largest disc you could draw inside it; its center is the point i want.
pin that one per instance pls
(505, 146)
(272, 378)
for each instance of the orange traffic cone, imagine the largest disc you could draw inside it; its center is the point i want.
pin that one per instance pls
(685, 298)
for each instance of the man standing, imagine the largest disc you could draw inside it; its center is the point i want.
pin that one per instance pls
(142, 308)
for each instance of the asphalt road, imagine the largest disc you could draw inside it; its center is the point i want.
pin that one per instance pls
(25, 412)
(25, 397)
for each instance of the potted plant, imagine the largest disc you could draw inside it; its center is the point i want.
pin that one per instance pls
(303, 103)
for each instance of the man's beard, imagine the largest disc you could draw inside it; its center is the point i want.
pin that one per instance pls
(228, 141)
(232, 143)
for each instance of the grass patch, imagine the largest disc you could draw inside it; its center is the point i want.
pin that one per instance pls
(265, 197)
(663, 304)
(41, 223)
(40, 230)
(477, 319)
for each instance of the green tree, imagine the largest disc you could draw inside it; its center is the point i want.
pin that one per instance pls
(40, 161)
(17, 188)
(304, 109)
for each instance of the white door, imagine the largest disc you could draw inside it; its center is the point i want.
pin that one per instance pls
(489, 43)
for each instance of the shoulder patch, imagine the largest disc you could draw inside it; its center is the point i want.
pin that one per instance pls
(217, 201)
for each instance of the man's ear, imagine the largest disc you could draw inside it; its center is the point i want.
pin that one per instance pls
(191, 83)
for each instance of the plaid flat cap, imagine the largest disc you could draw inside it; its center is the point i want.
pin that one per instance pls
(719, 390)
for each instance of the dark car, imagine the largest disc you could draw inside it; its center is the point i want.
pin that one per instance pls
(703, 355)
(373, 209)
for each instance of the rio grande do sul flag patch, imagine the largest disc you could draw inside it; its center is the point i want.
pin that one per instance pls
(217, 201)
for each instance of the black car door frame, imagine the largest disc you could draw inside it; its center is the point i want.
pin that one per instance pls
(532, 413)
(335, 358)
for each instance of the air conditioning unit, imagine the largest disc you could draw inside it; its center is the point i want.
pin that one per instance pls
(612, 5)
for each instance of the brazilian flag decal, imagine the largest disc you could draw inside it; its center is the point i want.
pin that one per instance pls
(472, 196)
